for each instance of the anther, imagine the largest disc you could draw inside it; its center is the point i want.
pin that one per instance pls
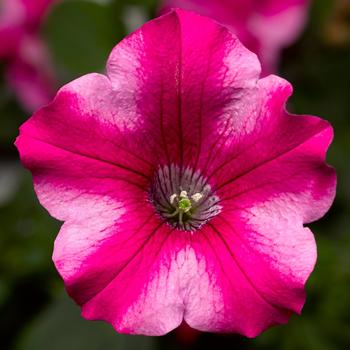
(197, 197)
(172, 198)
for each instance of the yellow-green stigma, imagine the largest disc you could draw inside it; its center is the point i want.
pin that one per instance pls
(185, 205)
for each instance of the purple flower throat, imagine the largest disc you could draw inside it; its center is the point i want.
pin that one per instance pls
(183, 197)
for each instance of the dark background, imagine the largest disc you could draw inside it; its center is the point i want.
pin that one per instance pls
(35, 312)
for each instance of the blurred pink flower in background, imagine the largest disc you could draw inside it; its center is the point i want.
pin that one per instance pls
(28, 69)
(263, 26)
(183, 184)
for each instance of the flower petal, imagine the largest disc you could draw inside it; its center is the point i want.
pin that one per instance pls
(257, 289)
(30, 73)
(111, 230)
(181, 70)
(277, 25)
(239, 306)
(273, 180)
(81, 123)
(35, 10)
(170, 280)
(82, 176)
(277, 153)
(264, 27)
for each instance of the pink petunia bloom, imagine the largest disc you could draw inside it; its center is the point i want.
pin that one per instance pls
(263, 26)
(28, 71)
(183, 184)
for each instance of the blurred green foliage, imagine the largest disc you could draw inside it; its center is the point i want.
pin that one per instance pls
(35, 314)
(61, 327)
(80, 35)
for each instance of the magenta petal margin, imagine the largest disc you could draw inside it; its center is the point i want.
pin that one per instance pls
(263, 26)
(182, 108)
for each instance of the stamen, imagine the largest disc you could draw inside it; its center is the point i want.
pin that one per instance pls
(172, 198)
(181, 209)
(183, 194)
(197, 197)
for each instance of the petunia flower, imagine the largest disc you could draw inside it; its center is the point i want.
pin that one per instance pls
(263, 26)
(183, 184)
(28, 67)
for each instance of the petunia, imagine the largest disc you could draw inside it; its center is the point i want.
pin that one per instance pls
(28, 67)
(263, 26)
(183, 184)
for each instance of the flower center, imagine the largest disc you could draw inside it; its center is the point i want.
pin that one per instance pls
(183, 198)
